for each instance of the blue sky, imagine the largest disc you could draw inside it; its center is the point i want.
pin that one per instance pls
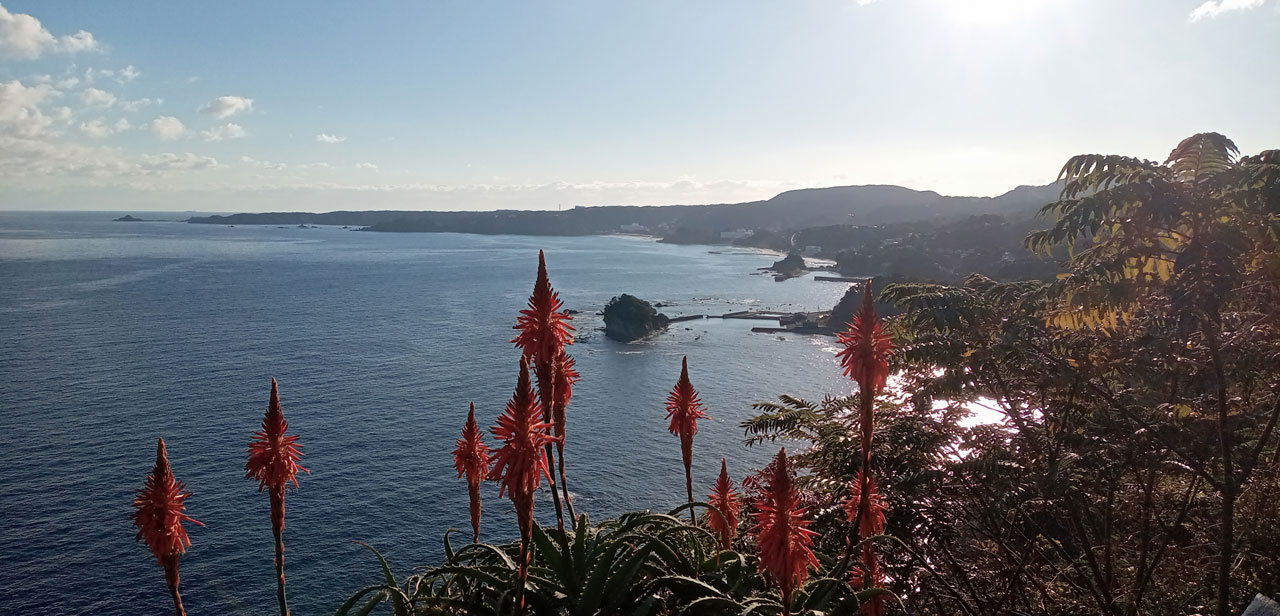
(479, 105)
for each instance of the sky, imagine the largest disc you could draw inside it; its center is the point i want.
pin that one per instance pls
(474, 105)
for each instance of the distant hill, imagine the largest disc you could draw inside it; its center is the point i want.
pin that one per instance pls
(794, 209)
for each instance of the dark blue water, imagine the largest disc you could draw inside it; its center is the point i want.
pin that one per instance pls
(113, 334)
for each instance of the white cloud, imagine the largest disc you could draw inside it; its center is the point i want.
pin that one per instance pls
(226, 131)
(23, 158)
(128, 73)
(92, 75)
(95, 129)
(80, 41)
(227, 106)
(22, 37)
(315, 166)
(68, 83)
(122, 125)
(20, 108)
(1213, 8)
(94, 97)
(135, 106)
(168, 128)
(366, 166)
(327, 138)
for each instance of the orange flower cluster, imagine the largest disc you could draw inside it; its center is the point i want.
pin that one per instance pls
(723, 520)
(471, 458)
(159, 512)
(273, 457)
(684, 409)
(782, 532)
(867, 347)
(544, 325)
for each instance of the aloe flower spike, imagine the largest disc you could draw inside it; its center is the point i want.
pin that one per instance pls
(159, 511)
(273, 461)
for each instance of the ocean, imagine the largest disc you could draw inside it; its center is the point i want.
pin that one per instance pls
(114, 334)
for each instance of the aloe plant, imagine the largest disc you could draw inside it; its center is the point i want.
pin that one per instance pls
(636, 564)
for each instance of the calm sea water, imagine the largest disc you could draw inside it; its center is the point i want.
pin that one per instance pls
(113, 334)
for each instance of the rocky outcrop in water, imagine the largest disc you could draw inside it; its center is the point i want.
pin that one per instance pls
(627, 318)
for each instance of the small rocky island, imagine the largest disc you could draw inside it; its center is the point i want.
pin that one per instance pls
(791, 266)
(128, 218)
(627, 318)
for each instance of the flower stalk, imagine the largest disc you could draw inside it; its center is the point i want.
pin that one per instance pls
(273, 462)
(544, 332)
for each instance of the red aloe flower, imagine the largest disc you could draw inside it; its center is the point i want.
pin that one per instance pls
(866, 354)
(471, 458)
(273, 461)
(159, 514)
(544, 327)
(684, 409)
(873, 523)
(544, 332)
(782, 533)
(723, 520)
(273, 457)
(519, 464)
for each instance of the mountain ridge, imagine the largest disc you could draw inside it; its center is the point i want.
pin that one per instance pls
(873, 204)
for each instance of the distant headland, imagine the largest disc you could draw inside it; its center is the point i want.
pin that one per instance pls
(867, 230)
(693, 224)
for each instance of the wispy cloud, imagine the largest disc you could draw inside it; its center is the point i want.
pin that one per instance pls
(226, 106)
(366, 166)
(327, 138)
(23, 37)
(139, 104)
(262, 164)
(1214, 8)
(229, 130)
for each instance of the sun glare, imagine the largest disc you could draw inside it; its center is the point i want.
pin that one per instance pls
(990, 13)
